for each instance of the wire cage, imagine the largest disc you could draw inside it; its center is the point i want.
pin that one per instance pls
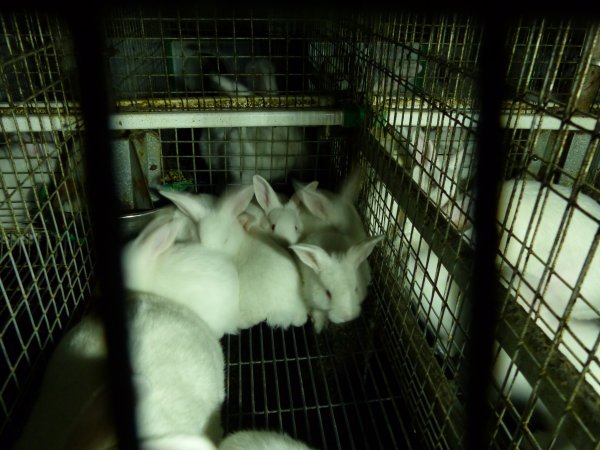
(205, 99)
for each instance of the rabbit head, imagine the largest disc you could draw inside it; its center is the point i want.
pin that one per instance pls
(219, 226)
(282, 221)
(437, 175)
(330, 210)
(261, 76)
(341, 280)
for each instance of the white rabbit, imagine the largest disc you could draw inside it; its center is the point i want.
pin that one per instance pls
(178, 373)
(183, 442)
(530, 215)
(335, 275)
(439, 177)
(337, 210)
(261, 440)
(204, 280)
(270, 286)
(26, 164)
(283, 221)
(577, 341)
(436, 296)
(268, 151)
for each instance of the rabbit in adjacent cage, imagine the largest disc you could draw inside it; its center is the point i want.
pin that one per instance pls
(27, 165)
(440, 181)
(167, 342)
(244, 151)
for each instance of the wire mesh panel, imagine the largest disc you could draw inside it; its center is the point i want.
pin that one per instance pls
(207, 99)
(421, 147)
(45, 261)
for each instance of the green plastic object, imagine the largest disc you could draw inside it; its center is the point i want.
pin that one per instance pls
(354, 117)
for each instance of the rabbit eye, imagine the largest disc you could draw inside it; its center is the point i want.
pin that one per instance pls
(328, 293)
(273, 227)
(296, 227)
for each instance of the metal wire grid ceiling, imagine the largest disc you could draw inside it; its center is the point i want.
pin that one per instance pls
(428, 268)
(45, 261)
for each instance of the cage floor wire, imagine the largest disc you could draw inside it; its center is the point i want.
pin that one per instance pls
(333, 391)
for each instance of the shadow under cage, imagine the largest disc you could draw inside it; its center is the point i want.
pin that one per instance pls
(202, 101)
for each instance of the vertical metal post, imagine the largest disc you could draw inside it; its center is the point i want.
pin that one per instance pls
(85, 23)
(483, 295)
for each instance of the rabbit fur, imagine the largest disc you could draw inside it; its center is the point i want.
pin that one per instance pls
(282, 220)
(336, 210)
(261, 440)
(270, 285)
(267, 151)
(579, 341)
(178, 373)
(335, 275)
(204, 280)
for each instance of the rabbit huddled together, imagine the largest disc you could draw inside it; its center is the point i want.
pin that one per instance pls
(305, 257)
(547, 234)
(205, 267)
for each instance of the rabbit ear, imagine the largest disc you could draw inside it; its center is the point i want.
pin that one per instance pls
(459, 212)
(247, 220)
(229, 86)
(179, 442)
(191, 205)
(420, 147)
(458, 164)
(237, 202)
(317, 203)
(361, 251)
(295, 199)
(313, 256)
(353, 184)
(265, 195)
(158, 236)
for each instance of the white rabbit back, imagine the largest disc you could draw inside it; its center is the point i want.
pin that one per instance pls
(178, 370)
(261, 440)
(267, 151)
(270, 285)
(204, 280)
(269, 281)
(577, 242)
(181, 366)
